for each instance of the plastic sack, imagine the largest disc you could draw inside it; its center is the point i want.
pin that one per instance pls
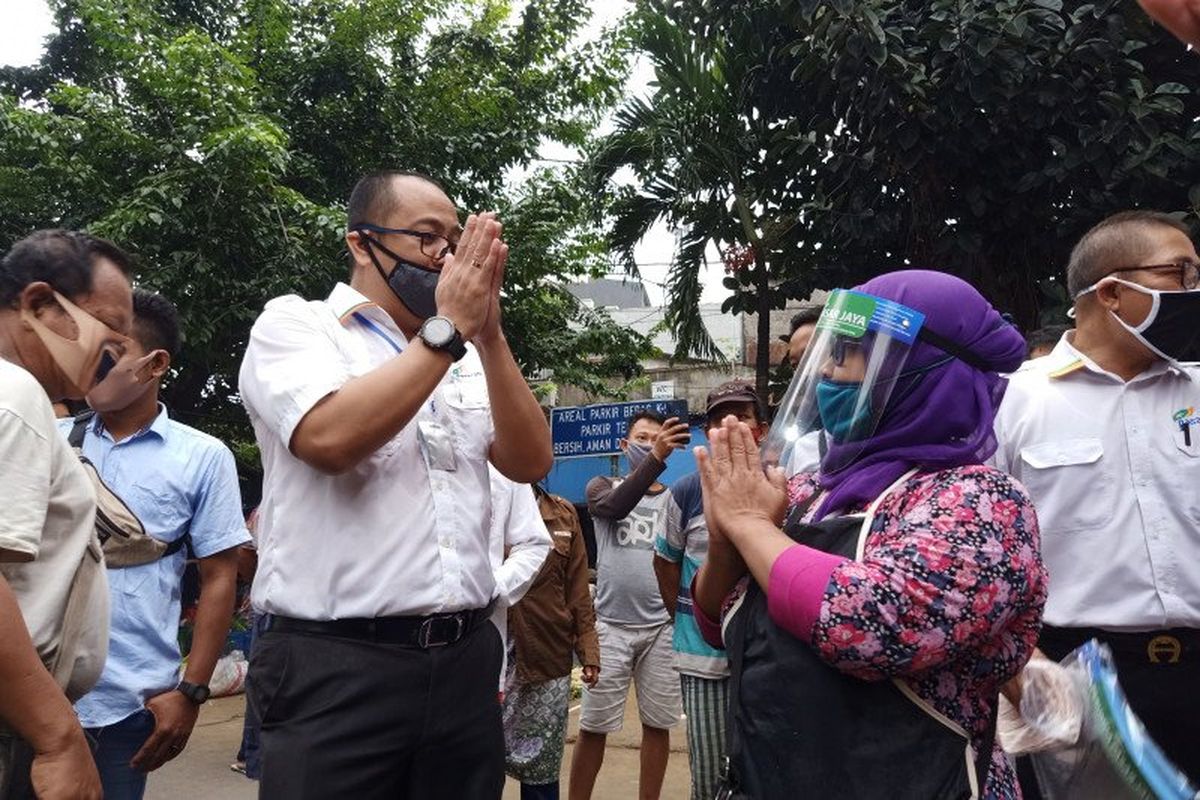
(1051, 713)
(229, 676)
(1113, 758)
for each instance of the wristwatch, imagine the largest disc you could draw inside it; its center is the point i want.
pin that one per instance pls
(440, 334)
(196, 692)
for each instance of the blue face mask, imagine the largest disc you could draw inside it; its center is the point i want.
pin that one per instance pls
(836, 401)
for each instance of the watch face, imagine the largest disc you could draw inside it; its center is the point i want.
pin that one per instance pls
(437, 331)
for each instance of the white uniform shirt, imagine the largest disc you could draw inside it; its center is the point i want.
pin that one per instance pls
(1116, 485)
(391, 536)
(517, 528)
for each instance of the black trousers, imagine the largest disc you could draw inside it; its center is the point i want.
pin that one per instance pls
(343, 718)
(1161, 683)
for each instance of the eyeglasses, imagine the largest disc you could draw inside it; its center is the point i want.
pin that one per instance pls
(840, 346)
(433, 245)
(1189, 272)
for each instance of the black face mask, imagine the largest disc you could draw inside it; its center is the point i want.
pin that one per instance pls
(414, 286)
(1172, 328)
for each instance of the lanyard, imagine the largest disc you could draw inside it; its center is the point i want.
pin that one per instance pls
(375, 329)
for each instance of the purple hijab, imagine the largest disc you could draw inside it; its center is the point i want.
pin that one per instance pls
(943, 417)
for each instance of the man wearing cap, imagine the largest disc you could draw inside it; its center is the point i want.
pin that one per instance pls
(631, 620)
(680, 548)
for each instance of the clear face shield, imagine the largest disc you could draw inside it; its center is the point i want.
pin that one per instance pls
(842, 386)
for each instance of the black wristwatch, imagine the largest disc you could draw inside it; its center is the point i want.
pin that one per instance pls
(440, 334)
(196, 692)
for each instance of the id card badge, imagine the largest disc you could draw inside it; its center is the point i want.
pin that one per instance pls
(437, 445)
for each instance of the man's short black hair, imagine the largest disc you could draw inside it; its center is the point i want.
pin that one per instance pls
(64, 259)
(1116, 242)
(156, 322)
(373, 198)
(1045, 337)
(805, 316)
(645, 413)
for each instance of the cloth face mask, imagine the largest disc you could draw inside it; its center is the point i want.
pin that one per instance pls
(636, 453)
(836, 403)
(86, 359)
(121, 387)
(1172, 328)
(414, 286)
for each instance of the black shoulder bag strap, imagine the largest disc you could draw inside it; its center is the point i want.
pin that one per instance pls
(79, 429)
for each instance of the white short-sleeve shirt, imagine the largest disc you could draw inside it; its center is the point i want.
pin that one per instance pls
(47, 521)
(1113, 469)
(392, 536)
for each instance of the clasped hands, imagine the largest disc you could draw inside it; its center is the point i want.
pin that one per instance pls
(738, 493)
(468, 290)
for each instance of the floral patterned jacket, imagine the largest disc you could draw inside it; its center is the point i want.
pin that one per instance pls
(947, 596)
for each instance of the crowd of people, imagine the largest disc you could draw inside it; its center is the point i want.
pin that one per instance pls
(833, 603)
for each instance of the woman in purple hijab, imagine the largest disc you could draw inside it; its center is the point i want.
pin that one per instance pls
(873, 609)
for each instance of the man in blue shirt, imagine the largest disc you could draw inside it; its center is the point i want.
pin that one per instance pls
(679, 550)
(180, 482)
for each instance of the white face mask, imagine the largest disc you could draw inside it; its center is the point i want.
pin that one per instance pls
(1172, 328)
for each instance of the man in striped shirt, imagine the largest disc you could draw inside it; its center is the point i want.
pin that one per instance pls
(679, 550)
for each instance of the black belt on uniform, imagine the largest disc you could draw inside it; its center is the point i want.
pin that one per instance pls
(1168, 646)
(435, 630)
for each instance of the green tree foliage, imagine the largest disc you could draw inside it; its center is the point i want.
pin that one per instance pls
(833, 141)
(708, 164)
(218, 139)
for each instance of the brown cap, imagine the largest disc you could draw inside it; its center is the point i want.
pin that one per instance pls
(731, 392)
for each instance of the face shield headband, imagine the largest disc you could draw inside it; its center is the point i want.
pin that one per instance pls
(858, 359)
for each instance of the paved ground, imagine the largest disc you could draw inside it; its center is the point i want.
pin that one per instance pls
(202, 772)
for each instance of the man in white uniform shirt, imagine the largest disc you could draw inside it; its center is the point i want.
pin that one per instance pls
(1104, 432)
(377, 675)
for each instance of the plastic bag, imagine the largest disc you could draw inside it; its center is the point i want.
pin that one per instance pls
(1113, 758)
(229, 676)
(1051, 713)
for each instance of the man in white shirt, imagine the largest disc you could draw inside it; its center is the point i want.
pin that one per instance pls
(519, 546)
(1104, 432)
(377, 675)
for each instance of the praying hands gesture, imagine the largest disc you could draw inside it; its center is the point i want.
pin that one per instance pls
(736, 489)
(468, 290)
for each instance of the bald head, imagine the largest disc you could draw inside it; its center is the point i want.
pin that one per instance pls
(1119, 242)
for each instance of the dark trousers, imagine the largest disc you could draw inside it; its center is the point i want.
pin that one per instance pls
(350, 718)
(539, 791)
(1161, 683)
(113, 747)
(248, 752)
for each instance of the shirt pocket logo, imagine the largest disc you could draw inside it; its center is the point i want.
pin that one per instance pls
(1072, 485)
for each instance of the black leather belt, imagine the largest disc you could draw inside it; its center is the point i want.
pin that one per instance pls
(435, 630)
(1170, 646)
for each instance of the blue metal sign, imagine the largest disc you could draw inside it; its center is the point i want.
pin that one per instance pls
(596, 430)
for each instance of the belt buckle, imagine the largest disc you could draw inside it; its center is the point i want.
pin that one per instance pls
(1164, 648)
(425, 636)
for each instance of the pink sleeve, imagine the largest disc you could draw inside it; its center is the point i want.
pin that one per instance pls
(710, 629)
(799, 578)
